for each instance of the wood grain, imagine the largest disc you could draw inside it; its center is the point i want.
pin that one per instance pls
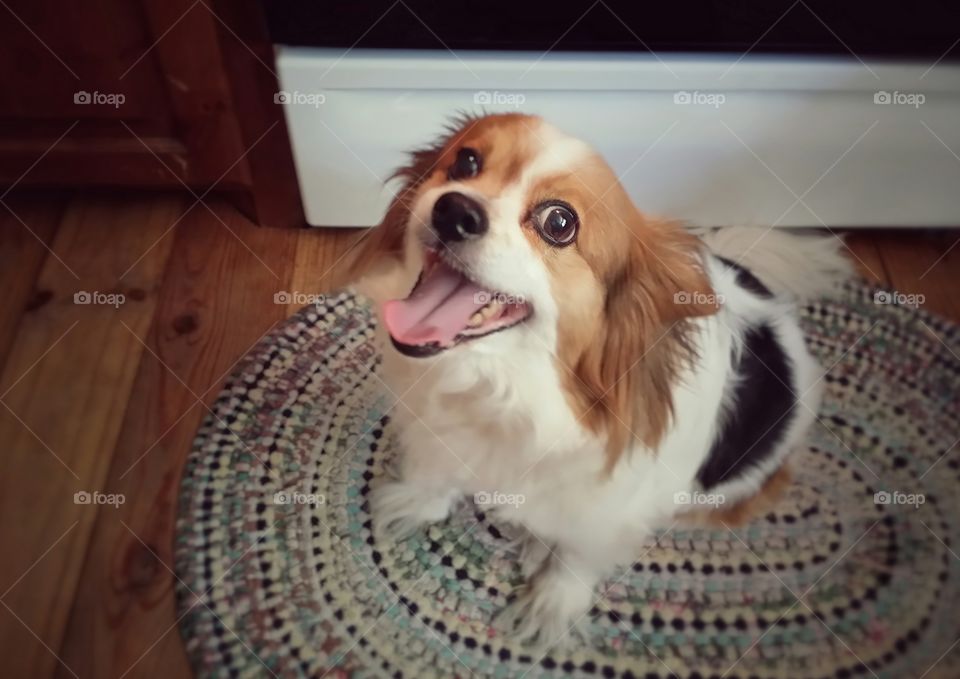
(249, 67)
(923, 264)
(320, 265)
(216, 302)
(166, 92)
(27, 228)
(866, 257)
(65, 386)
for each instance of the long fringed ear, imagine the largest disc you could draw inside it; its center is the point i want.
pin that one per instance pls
(630, 373)
(379, 245)
(384, 243)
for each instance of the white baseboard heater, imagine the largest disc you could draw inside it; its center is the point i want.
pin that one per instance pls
(714, 140)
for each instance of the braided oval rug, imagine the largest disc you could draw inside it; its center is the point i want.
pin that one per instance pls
(856, 572)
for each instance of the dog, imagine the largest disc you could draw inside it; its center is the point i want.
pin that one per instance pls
(548, 342)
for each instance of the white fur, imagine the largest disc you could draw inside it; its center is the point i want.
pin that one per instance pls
(803, 266)
(490, 416)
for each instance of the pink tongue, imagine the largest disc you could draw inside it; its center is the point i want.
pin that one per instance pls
(437, 309)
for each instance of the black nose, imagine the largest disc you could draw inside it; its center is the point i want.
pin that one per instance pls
(458, 217)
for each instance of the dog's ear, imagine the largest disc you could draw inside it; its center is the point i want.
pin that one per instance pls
(383, 244)
(657, 286)
(378, 246)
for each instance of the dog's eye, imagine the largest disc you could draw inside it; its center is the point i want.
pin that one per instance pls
(466, 165)
(557, 224)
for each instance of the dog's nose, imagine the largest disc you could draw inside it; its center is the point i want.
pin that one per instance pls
(457, 217)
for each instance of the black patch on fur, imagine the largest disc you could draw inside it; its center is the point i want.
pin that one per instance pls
(746, 279)
(757, 413)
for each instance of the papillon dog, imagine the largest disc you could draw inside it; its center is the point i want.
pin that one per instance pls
(546, 341)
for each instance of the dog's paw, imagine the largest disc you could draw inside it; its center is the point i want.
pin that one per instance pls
(549, 610)
(399, 509)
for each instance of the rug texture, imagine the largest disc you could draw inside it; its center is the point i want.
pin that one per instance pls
(855, 573)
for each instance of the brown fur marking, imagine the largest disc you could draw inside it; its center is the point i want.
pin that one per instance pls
(746, 510)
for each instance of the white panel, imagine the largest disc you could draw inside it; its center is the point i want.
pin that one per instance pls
(755, 135)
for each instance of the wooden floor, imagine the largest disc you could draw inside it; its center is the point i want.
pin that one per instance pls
(97, 398)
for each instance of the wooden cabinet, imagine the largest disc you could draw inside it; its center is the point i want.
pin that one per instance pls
(145, 93)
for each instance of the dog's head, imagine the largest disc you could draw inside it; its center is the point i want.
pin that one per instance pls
(521, 238)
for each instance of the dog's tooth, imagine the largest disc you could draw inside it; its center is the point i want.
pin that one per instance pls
(475, 320)
(491, 309)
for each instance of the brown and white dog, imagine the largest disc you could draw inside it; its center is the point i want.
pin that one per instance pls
(584, 371)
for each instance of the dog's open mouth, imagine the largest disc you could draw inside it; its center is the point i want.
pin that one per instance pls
(446, 308)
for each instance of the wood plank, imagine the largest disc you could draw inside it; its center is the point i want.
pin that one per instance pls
(149, 53)
(249, 65)
(184, 34)
(64, 390)
(107, 165)
(866, 256)
(215, 303)
(917, 265)
(26, 233)
(320, 267)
